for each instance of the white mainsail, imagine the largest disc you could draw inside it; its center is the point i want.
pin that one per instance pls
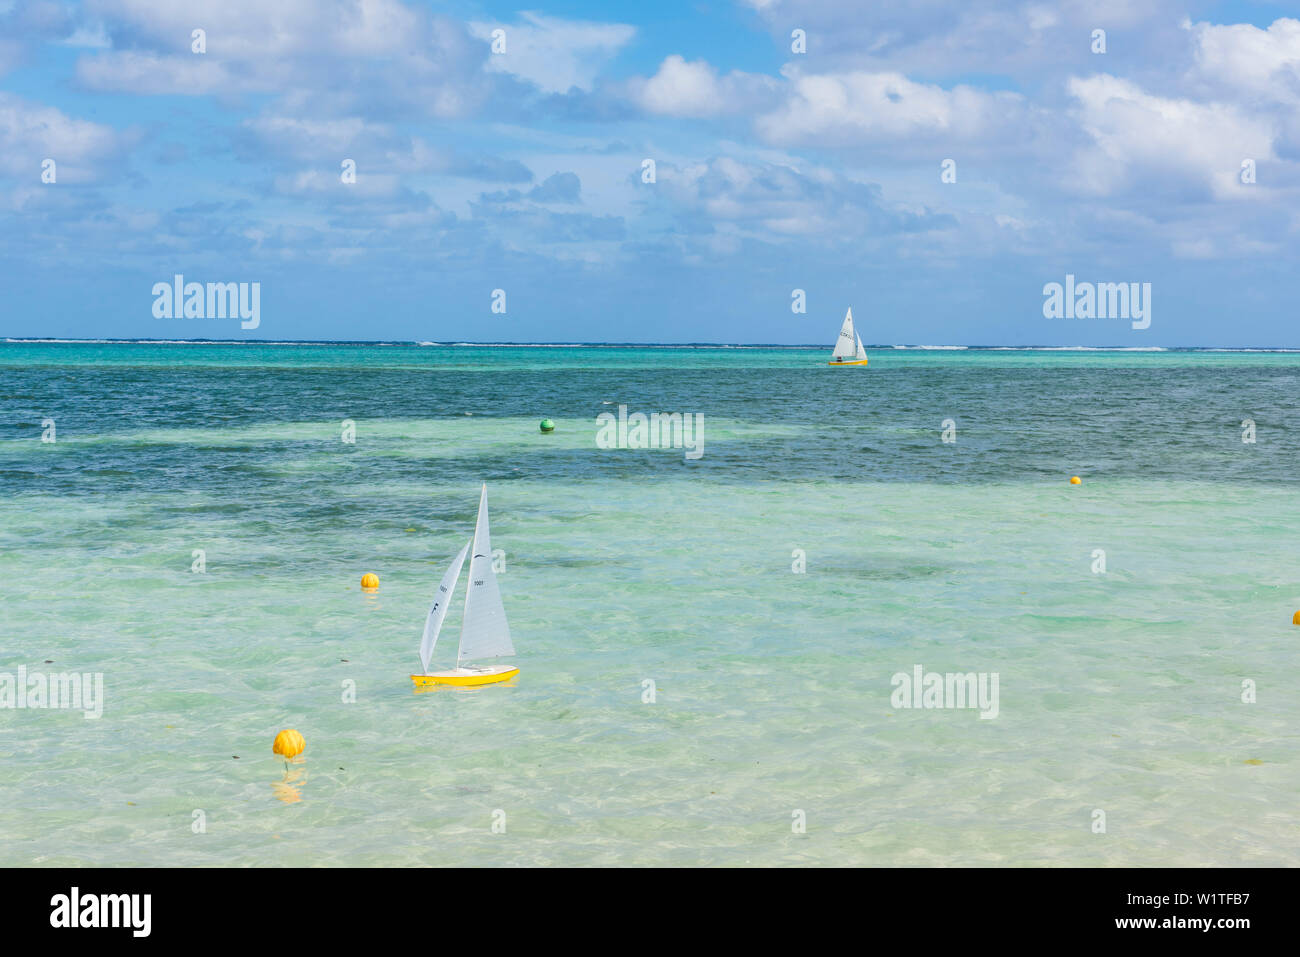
(862, 353)
(484, 632)
(438, 611)
(844, 344)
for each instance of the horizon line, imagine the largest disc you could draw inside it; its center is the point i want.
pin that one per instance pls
(426, 343)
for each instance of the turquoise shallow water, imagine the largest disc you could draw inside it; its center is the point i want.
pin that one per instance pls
(1118, 691)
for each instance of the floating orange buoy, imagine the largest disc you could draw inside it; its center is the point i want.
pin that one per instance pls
(288, 743)
(1075, 480)
(1295, 619)
(370, 581)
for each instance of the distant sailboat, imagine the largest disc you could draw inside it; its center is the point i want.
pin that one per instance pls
(484, 631)
(845, 354)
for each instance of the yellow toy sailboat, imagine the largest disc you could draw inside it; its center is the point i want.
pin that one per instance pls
(484, 631)
(845, 354)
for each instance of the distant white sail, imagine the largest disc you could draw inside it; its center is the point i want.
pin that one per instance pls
(484, 633)
(862, 353)
(438, 611)
(844, 344)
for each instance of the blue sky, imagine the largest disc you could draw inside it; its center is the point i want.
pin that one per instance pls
(775, 170)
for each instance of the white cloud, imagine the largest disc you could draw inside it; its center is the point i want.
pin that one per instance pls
(847, 108)
(694, 88)
(249, 30)
(1247, 58)
(682, 89)
(1138, 138)
(129, 71)
(774, 201)
(323, 56)
(553, 54)
(32, 132)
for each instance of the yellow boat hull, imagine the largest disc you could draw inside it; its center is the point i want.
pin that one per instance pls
(465, 677)
(849, 362)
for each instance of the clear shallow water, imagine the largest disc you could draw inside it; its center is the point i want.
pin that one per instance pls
(1118, 691)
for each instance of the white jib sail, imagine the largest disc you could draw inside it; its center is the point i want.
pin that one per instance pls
(862, 353)
(484, 633)
(844, 344)
(438, 611)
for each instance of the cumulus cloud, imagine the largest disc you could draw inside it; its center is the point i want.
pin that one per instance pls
(32, 132)
(694, 89)
(774, 201)
(328, 57)
(553, 54)
(1163, 144)
(1245, 58)
(849, 108)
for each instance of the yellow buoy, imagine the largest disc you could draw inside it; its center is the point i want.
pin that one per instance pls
(288, 743)
(1295, 619)
(370, 581)
(1075, 480)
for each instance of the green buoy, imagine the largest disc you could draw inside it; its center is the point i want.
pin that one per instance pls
(548, 425)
